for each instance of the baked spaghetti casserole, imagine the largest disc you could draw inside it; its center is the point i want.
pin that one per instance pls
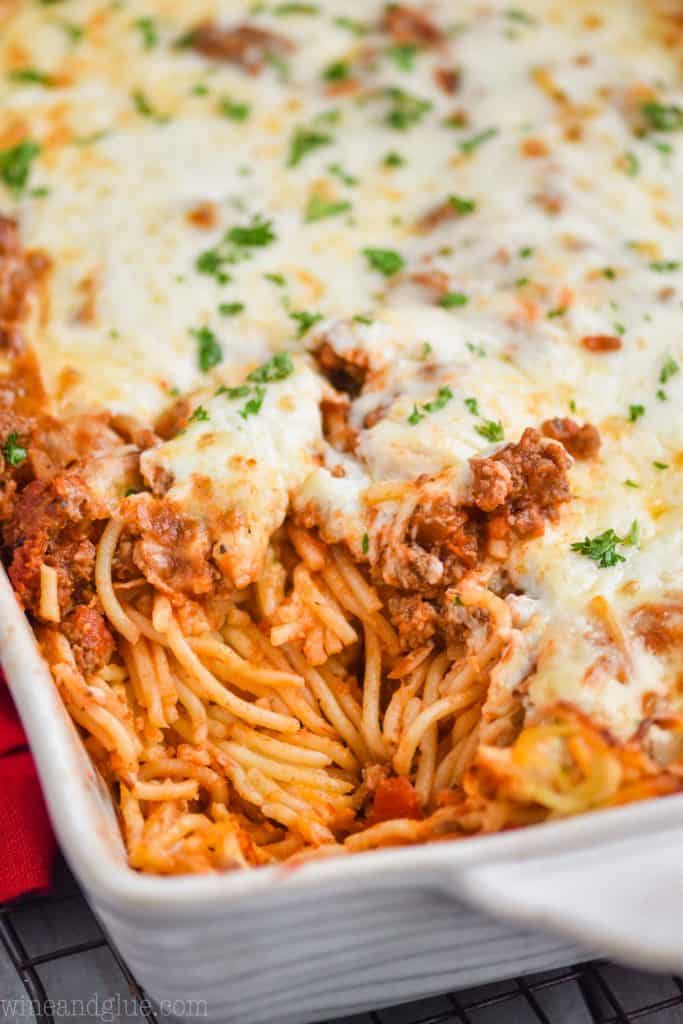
(341, 410)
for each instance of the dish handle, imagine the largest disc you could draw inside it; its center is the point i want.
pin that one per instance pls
(622, 898)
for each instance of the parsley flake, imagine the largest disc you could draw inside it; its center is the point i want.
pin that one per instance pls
(662, 117)
(393, 159)
(253, 406)
(319, 208)
(305, 320)
(403, 55)
(13, 451)
(386, 261)
(337, 71)
(669, 370)
(603, 548)
(233, 110)
(365, 544)
(665, 266)
(462, 206)
(469, 146)
(148, 32)
(230, 308)
(199, 415)
(209, 352)
(30, 76)
(259, 232)
(15, 164)
(491, 430)
(144, 107)
(635, 412)
(338, 171)
(661, 465)
(452, 300)
(278, 367)
(304, 141)
(472, 406)
(631, 164)
(406, 110)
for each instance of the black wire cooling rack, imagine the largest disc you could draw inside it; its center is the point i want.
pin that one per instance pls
(595, 993)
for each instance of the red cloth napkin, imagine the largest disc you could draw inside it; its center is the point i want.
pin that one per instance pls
(27, 844)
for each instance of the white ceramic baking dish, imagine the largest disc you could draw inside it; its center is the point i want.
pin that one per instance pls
(283, 946)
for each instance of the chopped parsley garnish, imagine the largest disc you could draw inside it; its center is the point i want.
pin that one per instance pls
(515, 14)
(13, 451)
(337, 71)
(631, 483)
(148, 32)
(572, 405)
(230, 308)
(393, 159)
(635, 412)
(278, 367)
(359, 28)
(552, 314)
(462, 206)
(200, 415)
(365, 544)
(233, 110)
(338, 171)
(522, 282)
(491, 430)
(211, 263)
(15, 165)
(403, 55)
(319, 208)
(472, 406)
(526, 252)
(305, 320)
(477, 350)
(426, 350)
(470, 145)
(406, 110)
(30, 76)
(209, 352)
(665, 266)
(253, 405)
(443, 397)
(662, 117)
(668, 370)
(144, 107)
(661, 465)
(662, 395)
(603, 548)
(360, 319)
(73, 32)
(386, 261)
(631, 164)
(200, 89)
(619, 328)
(259, 232)
(451, 300)
(304, 141)
(282, 10)
(415, 416)
(277, 279)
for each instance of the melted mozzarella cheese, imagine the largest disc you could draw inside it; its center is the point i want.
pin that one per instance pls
(245, 450)
(568, 214)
